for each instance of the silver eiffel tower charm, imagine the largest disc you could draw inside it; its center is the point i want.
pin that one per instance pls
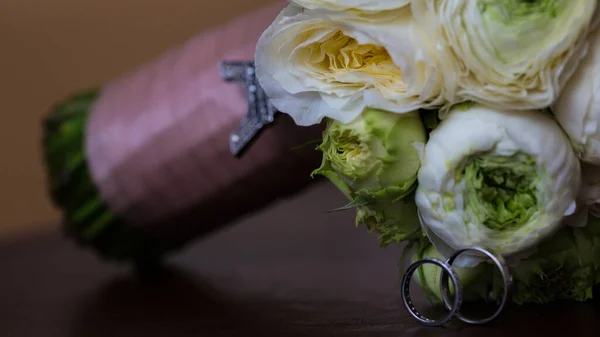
(260, 110)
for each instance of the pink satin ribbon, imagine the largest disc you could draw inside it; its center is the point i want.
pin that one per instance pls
(157, 138)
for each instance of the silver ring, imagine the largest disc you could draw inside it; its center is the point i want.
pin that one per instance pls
(506, 277)
(408, 304)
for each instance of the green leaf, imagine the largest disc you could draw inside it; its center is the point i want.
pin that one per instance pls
(357, 202)
(310, 142)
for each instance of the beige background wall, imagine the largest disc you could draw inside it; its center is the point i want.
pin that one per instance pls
(50, 48)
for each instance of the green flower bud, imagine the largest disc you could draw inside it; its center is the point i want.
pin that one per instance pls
(374, 160)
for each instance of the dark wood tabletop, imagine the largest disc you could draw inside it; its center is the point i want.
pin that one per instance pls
(291, 270)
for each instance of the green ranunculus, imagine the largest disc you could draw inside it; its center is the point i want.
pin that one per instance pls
(374, 161)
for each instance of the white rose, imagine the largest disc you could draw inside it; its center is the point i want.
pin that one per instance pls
(507, 54)
(578, 107)
(318, 63)
(362, 5)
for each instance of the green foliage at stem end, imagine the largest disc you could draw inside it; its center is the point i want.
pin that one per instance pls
(86, 217)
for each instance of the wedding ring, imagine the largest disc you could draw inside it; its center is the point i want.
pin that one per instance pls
(506, 277)
(446, 271)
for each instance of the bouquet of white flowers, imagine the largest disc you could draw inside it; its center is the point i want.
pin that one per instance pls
(455, 124)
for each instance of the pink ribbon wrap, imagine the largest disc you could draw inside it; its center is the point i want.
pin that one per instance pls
(158, 139)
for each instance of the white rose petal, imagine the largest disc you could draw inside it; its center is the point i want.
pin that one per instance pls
(318, 63)
(362, 5)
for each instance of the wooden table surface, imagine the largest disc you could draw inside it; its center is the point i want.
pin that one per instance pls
(292, 270)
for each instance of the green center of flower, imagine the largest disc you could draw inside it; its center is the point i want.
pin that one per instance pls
(351, 155)
(376, 152)
(517, 30)
(511, 10)
(501, 192)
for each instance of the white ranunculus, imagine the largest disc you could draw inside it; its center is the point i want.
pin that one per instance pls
(362, 5)
(590, 185)
(318, 63)
(578, 107)
(588, 201)
(499, 179)
(507, 54)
